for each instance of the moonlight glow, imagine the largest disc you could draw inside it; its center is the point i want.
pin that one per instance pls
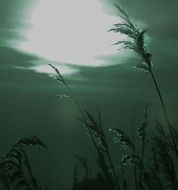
(71, 32)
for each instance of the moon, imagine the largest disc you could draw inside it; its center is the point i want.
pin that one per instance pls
(70, 32)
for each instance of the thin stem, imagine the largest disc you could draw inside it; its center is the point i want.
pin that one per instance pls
(165, 112)
(135, 176)
(82, 114)
(160, 96)
(141, 169)
(135, 152)
(113, 169)
(89, 130)
(105, 144)
(91, 135)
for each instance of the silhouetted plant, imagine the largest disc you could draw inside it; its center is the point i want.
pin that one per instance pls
(88, 182)
(147, 175)
(158, 172)
(15, 168)
(137, 43)
(97, 136)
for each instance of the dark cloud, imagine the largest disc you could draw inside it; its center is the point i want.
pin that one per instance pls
(14, 19)
(10, 57)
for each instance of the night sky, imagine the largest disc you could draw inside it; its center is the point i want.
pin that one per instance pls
(109, 82)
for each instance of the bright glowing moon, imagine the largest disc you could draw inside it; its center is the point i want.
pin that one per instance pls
(71, 32)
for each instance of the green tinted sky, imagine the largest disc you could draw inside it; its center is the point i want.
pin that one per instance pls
(118, 90)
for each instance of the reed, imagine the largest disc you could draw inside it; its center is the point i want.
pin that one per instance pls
(137, 44)
(15, 167)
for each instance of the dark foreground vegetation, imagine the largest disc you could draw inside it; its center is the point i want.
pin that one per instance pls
(149, 161)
